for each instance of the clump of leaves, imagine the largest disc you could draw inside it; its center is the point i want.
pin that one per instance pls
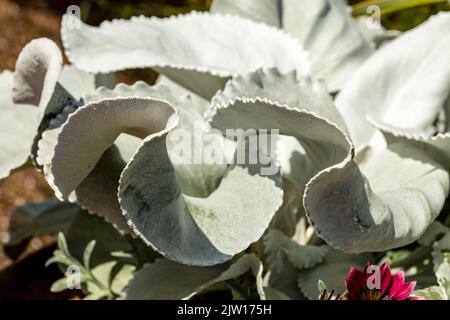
(361, 156)
(80, 273)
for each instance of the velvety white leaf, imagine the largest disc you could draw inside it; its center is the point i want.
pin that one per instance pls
(267, 11)
(80, 83)
(39, 218)
(18, 124)
(97, 192)
(47, 135)
(404, 84)
(400, 194)
(37, 81)
(325, 28)
(36, 77)
(291, 88)
(168, 280)
(294, 91)
(198, 50)
(197, 231)
(139, 89)
(437, 146)
(195, 179)
(375, 33)
(71, 172)
(387, 203)
(178, 90)
(200, 231)
(328, 33)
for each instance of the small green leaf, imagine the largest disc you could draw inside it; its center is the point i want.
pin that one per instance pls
(321, 285)
(59, 285)
(88, 253)
(62, 244)
(59, 257)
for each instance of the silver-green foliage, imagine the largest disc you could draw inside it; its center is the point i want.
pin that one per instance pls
(363, 151)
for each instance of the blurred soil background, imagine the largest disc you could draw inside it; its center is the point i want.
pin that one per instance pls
(25, 276)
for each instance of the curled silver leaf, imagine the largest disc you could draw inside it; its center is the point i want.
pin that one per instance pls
(192, 230)
(18, 125)
(200, 51)
(387, 202)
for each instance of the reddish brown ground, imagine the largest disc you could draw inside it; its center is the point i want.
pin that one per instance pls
(20, 24)
(25, 278)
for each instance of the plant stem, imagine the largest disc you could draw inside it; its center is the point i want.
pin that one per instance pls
(417, 256)
(389, 6)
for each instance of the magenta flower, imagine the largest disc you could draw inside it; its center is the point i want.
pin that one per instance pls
(375, 283)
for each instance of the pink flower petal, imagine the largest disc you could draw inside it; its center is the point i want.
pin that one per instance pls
(386, 278)
(355, 283)
(397, 281)
(400, 290)
(392, 285)
(368, 264)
